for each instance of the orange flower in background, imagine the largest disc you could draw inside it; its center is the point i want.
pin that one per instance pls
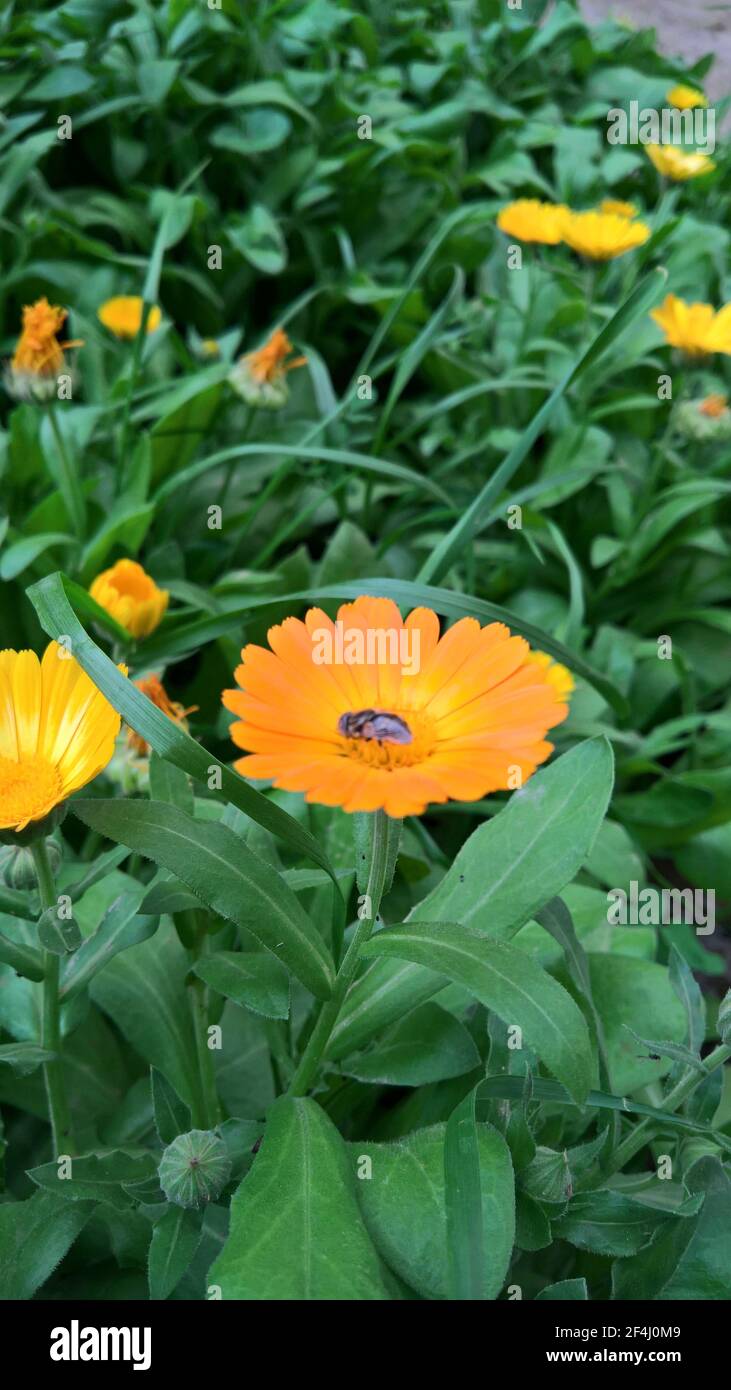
(529, 219)
(131, 597)
(677, 164)
(123, 316)
(153, 688)
(602, 236)
(619, 209)
(420, 719)
(57, 733)
(261, 376)
(39, 358)
(714, 406)
(694, 328)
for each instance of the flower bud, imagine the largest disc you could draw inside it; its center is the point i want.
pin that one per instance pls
(195, 1168)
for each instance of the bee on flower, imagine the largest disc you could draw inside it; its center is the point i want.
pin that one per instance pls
(38, 361)
(367, 736)
(260, 377)
(131, 597)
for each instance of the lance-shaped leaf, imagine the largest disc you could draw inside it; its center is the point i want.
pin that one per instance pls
(503, 978)
(220, 869)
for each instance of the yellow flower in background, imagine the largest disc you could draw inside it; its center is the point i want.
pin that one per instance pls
(131, 597)
(469, 709)
(676, 164)
(123, 316)
(529, 219)
(261, 377)
(57, 733)
(694, 328)
(39, 359)
(209, 348)
(684, 98)
(153, 688)
(617, 208)
(601, 235)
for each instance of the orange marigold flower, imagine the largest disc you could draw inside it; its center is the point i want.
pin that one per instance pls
(153, 688)
(123, 315)
(39, 359)
(372, 712)
(131, 597)
(603, 236)
(529, 219)
(678, 164)
(57, 733)
(714, 406)
(694, 328)
(261, 376)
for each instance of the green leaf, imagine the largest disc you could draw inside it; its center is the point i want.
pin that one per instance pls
(296, 1231)
(258, 237)
(22, 553)
(24, 1057)
(480, 1205)
(121, 926)
(34, 1237)
(402, 1194)
(428, 1045)
(610, 1223)
(221, 870)
(24, 960)
(691, 1259)
(502, 875)
(457, 540)
(175, 1239)
(638, 993)
(567, 1290)
(97, 1177)
(172, 1116)
(250, 978)
(502, 978)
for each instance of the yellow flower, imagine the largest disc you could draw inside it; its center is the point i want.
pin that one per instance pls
(694, 328)
(57, 733)
(39, 357)
(685, 98)
(131, 597)
(619, 209)
(676, 164)
(261, 377)
(123, 316)
(601, 235)
(354, 727)
(153, 688)
(528, 219)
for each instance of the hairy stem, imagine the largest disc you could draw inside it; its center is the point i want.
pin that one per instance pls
(58, 1109)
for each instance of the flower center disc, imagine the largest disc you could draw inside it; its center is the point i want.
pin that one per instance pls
(29, 789)
(385, 739)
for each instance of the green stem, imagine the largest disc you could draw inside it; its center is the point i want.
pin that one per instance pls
(70, 487)
(134, 372)
(58, 1109)
(674, 1099)
(210, 1112)
(312, 1056)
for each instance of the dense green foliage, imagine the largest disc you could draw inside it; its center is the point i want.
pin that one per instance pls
(431, 1158)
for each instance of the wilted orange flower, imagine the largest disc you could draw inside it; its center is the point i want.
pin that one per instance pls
(261, 376)
(419, 719)
(57, 733)
(131, 597)
(153, 688)
(601, 235)
(676, 164)
(529, 219)
(714, 406)
(39, 357)
(616, 207)
(684, 98)
(123, 316)
(694, 328)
